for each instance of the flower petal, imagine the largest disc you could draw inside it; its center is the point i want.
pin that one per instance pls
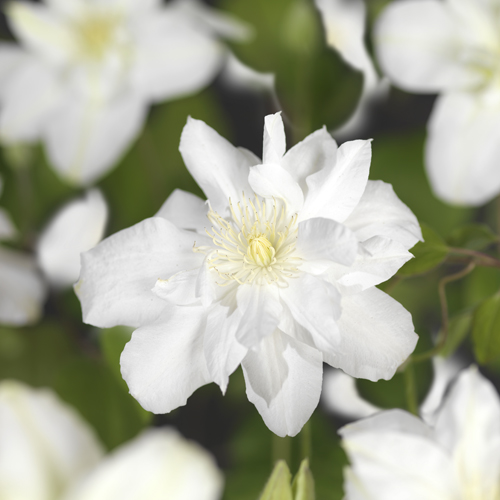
(325, 239)
(381, 213)
(22, 290)
(163, 364)
(159, 462)
(172, 56)
(316, 152)
(418, 46)
(7, 228)
(179, 289)
(11, 58)
(185, 210)
(273, 181)
(468, 425)
(260, 309)
(85, 138)
(283, 380)
(335, 191)
(462, 149)
(315, 304)
(274, 139)
(377, 335)
(46, 445)
(118, 274)
(219, 168)
(76, 228)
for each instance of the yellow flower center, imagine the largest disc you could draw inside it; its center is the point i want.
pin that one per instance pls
(96, 33)
(260, 250)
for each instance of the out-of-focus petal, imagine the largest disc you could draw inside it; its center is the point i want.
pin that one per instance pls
(218, 167)
(22, 290)
(377, 335)
(157, 465)
(11, 57)
(118, 275)
(76, 228)
(283, 379)
(462, 149)
(46, 445)
(175, 364)
(239, 76)
(185, 210)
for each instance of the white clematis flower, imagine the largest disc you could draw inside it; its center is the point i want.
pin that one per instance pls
(395, 455)
(22, 290)
(76, 228)
(450, 47)
(49, 453)
(276, 272)
(98, 64)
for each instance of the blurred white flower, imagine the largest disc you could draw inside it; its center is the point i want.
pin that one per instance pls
(239, 76)
(450, 47)
(49, 453)
(98, 64)
(344, 23)
(282, 279)
(395, 455)
(22, 291)
(76, 228)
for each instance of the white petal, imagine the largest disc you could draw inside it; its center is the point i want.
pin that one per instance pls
(85, 139)
(160, 464)
(172, 57)
(11, 58)
(185, 210)
(179, 289)
(76, 228)
(273, 181)
(219, 168)
(316, 152)
(394, 465)
(418, 46)
(46, 446)
(315, 304)
(22, 290)
(325, 239)
(164, 364)
(283, 380)
(462, 149)
(260, 310)
(381, 213)
(240, 77)
(118, 274)
(223, 352)
(67, 8)
(468, 425)
(335, 191)
(7, 228)
(26, 108)
(274, 139)
(377, 335)
(41, 31)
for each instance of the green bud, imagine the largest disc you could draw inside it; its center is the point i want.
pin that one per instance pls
(278, 485)
(303, 484)
(300, 28)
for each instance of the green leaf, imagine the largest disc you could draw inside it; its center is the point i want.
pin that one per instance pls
(303, 483)
(486, 330)
(278, 486)
(458, 328)
(428, 253)
(473, 237)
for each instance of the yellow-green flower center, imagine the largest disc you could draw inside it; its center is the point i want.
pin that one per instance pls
(96, 32)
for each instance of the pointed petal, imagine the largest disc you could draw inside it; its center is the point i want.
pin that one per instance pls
(219, 168)
(274, 139)
(283, 379)
(163, 364)
(315, 304)
(185, 210)
(418, 46)
(117, 277)
(381, 213)
(159, 462)
(273, 181)
(377, 335)
(86, 139)
(468, 425)
(46, 445)
(22, 290)
(335, 191)
(462, 149)
(260, 310)
(76, 228)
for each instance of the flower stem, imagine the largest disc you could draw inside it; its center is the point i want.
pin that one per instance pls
(281, 449)
(306, 442)
(481, 259)
(411, 390)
